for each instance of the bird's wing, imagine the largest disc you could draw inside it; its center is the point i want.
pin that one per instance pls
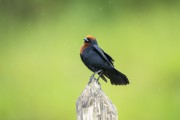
(104, 55)
(109, 58)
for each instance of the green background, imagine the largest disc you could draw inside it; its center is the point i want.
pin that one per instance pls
(41, 73)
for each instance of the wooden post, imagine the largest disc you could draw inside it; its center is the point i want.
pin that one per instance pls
(93, 104)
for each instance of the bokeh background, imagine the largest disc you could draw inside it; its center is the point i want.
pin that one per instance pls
(42, 76)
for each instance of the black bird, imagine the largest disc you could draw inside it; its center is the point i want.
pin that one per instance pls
(100, 62)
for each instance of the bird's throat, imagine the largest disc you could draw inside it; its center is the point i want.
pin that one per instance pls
(84, 47)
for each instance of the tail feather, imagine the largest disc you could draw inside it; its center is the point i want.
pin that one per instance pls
(116, 77)
(103, 77)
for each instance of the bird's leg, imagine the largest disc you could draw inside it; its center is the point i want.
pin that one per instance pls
(92, 76)
(99, 71)
(100, 74)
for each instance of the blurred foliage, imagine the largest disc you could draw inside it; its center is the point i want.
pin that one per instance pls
(41, 74)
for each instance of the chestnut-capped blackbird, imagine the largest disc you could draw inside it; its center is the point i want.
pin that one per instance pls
(100, 62)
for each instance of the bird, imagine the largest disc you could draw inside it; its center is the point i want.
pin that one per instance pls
(100, 62)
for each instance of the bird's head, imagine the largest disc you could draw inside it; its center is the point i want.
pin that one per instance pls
(89, 39)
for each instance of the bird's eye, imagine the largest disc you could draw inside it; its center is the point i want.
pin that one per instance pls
(88, 40)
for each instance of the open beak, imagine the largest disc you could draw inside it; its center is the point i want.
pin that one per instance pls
(85, 39)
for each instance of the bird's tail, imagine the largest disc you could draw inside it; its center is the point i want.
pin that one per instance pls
(116, 77)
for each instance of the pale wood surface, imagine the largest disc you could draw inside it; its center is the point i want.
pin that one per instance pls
(93, 104)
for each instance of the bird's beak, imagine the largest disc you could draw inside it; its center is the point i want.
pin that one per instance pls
(85, 39)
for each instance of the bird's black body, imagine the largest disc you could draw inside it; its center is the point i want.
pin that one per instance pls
(96, 59)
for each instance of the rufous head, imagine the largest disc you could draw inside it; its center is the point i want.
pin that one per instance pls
(89, 39)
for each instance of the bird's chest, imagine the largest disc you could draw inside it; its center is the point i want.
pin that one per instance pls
(89, 54)
(91, 57)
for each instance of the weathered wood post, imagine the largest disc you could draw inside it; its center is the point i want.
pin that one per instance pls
(93, 104)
